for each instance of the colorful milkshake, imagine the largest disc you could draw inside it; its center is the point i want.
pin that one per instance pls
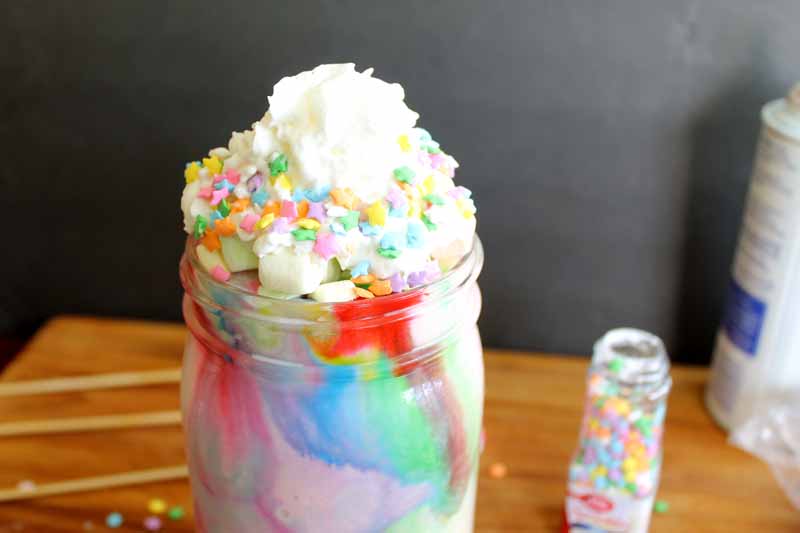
(333, 377)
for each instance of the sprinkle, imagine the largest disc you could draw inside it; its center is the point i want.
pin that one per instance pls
(336, 211)
(225, 227)
(205, 192)
(254, 183)
(200, 225)
(364, 279)
(26, 485)
(175, 513)
(616, 364)
(363, 293)
(396, 197)
(424, 135)
(213, 164)
(368, 229)
(279, 164)
(224, 208)
(397, 282)
(360, 269)
(218, 195)
(404, 174)
(416, 278)
(435, 199)
(350, 220)
(414, 235)
(344, 198)
(404, 144)
(259, 197)
(304, 234)
(432, 147)
(428, 185)
(220, 274)
(318, 195)
(302, 209)
(337, 228)
(211, 241)
(156, 506)
(288, 209)
(265, 221)
(114, 520)
(390, 253)
(308, 223)
(661, 506)
(88, 525)
(498, 470)
(152, 523)
(316, 210)
(377, 214)
(281, 225)
(248, 222)
(224, 184)
(326, 245)
(428, 223)
(381, 287)
(393, 241)
(298, 195)
(282, 182)
(192, 172)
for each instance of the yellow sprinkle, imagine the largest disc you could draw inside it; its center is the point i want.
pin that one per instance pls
(308, 223)
(282, 182)
(377, 214)
(428, 185)
(213, 164)
(404, 144)
(598, 471)
(265, 221)
(156, 506)
(466, 210)
(630, 476)
(414, 208)
(192, 171)
(629, 464)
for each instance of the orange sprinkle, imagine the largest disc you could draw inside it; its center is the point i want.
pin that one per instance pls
(382, 287)
(240, 204)
(272, 207)
(344, 198)
(366, 279)
(225, 227)
(498, 470)
(363, 293)
(211, 240)
(302, 209)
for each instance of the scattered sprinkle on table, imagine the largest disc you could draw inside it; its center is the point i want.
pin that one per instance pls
(114, 520)
(88, 525)
(661, 506)
(26, 485)
(156, 506)
(176, 513)
(152, 523)
(498, 470)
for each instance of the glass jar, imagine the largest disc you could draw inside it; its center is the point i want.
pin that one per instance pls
(345, 417)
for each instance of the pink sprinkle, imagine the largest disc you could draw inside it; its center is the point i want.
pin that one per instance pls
(437, 160)
(396, 197)
(326, 245)
(232, 175)
(423, 159)
(316, 210)
(219, 177)
(397, 282)
(218, 195)
(204, 192)
(248, 222)
(432, 271)
(152, 523)
(220, 274)
(281, 225)
(288, 209)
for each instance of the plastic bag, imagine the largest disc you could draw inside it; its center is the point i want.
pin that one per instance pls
(774, 437)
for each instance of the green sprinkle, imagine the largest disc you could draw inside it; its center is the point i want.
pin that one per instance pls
(428, 224)
(391, 253)
(304, 234)
(661, 506)
(349, 221)
(432, 148)
(224, 208)
(435, 199)
(200, 225)
(616, 364)
(363, 286)
(424, 135)
(176, 513)
(630, 487)
(279, 164)
(404, 174)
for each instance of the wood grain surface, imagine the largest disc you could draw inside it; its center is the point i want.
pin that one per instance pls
(533, 409)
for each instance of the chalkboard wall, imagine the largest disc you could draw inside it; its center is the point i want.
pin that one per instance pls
(608, 144)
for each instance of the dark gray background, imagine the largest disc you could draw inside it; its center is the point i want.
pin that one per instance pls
(608, 144)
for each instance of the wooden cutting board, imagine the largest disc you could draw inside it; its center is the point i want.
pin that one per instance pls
(533, 410)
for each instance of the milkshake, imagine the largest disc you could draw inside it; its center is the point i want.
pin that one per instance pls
(333, 375)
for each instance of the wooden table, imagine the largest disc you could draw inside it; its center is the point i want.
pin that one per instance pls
(533, 409)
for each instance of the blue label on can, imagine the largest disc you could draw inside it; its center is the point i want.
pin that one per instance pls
(743, 318)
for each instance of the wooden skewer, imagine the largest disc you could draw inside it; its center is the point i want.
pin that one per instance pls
(95, 483)
(99, 381)
(89, 423)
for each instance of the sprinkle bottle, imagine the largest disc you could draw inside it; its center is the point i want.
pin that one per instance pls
(614, 474)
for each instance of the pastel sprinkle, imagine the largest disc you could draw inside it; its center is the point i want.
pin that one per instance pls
(211, 241)
(390, 253)
(308, 223)
(326, 245)
(156, 506)
(205, 192)
(397, 282)
(363, 293)
(152, 523)
(192, 172)
(392, 241)
(435, 199)
(200, 225)
(381, 287)
(404, 174)
(428, 223)
(279, 164)
(616, 364)
(337, 228)
(376, 214)
(254, 183)
(225, 227)
(114, 520)
(265, 221)
(365, 279)
(414, 235)
(498, 470)
(259, 197)
(428, 185)
(396, 198)
(661, 506)
(304, 234)
(224, 208)
(220, 274)
(213, 164)
(26, 485)
(350, 220)
(282, 182)
(404, 144)
(175, 513)
(360, 269)
(281, 225)
(288, 209)
(316, 210)
(344, 198)
(368, 229)
(416, 278)
(224, 184)
(218, 195)
(248, 222)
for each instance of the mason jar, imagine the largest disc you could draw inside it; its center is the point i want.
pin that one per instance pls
(322, 417)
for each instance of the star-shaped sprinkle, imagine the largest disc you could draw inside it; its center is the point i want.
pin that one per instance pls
(282, 182)
(254, 183)
(398, 213)
(233, 176)
(316, 210)
(200, 225)
(326, 245)
(350, 220)
(368, 229)
(211, 241)
(298, 195)
(281, 225)
(414, 235)
(224, 183)
(318, 195)
(192, 172)
(288, 209)
(308, 223)
(225, 227)
(428, 222)
(381, 287)
(304, 234)
(248, 222)
(259, 197)
(213, 217)
(397, 282)
(213, 164)
(218, 195)
(390, 253)
(265, 221)
(344, 198)
(220, 274)
(279, 164)
(205, 192)
(404, 174)
(416, 278)
(404, 144)
(361, 269)
(377, 214)
(434, 199)
(224, 208)
(395, 197)
(393, 241)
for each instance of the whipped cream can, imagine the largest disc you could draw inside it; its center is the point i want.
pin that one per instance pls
(614, 473)
(757, 354)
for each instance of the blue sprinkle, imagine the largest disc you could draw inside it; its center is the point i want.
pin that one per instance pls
(368, 229)
(617, 446)
(259, 197)
(224, 183)
(392, 241)
(414, 235)
(114, 520)
(299, 195)
(398, 212)
(600, 483)
(212, 217)
(360, 269)
(337, 228)
(318, 195)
